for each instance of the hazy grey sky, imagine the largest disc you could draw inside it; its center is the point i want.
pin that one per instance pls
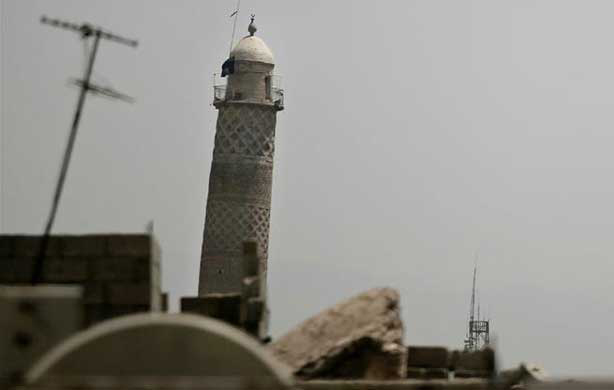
(415, 134)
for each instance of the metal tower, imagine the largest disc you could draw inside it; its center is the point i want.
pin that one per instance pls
(478, 330)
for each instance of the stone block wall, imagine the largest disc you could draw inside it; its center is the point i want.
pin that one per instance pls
(246, 309)
(120, 273)
(427, 362)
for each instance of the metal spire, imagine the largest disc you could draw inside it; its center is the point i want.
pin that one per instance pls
(472, 309)
(478, 330)
(252, 27)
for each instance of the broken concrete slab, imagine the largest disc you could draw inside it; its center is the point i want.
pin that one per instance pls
(361, 337)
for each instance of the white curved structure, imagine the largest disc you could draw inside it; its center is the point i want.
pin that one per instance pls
(252, 48)
(153, 349)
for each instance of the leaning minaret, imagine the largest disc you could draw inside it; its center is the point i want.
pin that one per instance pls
(239, 200)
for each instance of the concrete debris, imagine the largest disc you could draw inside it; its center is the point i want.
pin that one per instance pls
(522, 375)
(360, 338)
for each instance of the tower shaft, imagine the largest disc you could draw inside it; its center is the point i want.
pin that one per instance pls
(239, 200)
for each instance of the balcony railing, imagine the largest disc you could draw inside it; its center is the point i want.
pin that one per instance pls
(275, 95)
(219, 93)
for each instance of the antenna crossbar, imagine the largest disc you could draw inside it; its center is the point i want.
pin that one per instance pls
(86, 30)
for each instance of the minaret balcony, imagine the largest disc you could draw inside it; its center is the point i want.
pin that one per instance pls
(273, 94)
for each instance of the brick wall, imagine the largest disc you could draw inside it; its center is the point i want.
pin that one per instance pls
(120, 273)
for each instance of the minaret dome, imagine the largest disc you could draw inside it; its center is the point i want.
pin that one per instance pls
(251, 76)
(253, 49)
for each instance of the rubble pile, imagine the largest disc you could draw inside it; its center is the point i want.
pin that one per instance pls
(360, 338)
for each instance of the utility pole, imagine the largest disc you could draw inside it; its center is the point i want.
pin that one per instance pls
(86, 31)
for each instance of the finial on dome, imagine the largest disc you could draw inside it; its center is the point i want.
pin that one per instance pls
(252, 27)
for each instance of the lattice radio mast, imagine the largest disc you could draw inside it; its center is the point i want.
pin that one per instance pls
(478, 330)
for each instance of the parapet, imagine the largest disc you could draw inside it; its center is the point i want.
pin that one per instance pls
(119, 273)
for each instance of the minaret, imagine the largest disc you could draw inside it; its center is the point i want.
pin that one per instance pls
(239, 200)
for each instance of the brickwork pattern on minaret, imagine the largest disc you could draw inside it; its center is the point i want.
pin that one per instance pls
(245, 130)
(229, 223)
(239, 199)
